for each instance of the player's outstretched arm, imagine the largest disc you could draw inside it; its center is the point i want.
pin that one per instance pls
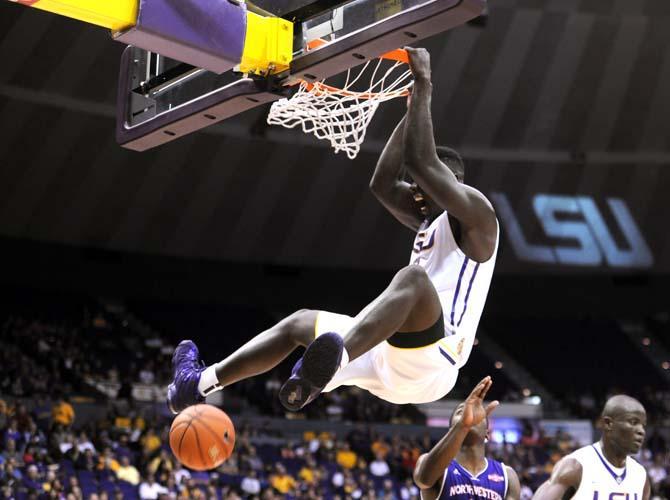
(513, 485)
(387, 182)
(563, 483)
(467, 204)
(430, 466)
(646, 492)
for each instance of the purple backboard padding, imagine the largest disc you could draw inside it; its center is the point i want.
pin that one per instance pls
(206, 33)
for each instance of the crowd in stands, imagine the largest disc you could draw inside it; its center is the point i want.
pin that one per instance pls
(586, 404)
(86, 350)
(95, 348)
(92, 354)
(46, 454)
(74, 353)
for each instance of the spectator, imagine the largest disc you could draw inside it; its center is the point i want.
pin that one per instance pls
(526, 493)
(147, 375)
(379, 467)
(122, 448)
(308, 471)
(62, 412)
(150, 442)
(4, 414)
(161, 464)
(12, 432)
(345, 457)
(74, 490)
(409, 491)
(128, 472)
(252, 460)
(182, 476)
(23, 418)
(386, 492)
(86, 460)
(281, 481)
(10, 453)
(250, 484)
(150, 489)
(658, 472)
(42, 413)
(32, 480)
(108, 461)
(84, 443)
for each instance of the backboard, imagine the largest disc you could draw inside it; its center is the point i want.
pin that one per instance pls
(160, 99)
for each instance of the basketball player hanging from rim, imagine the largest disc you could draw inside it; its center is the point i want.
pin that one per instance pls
(409, 343)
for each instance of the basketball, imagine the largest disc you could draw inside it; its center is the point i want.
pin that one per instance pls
(202, 437)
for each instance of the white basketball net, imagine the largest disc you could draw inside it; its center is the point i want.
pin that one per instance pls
(342, 115)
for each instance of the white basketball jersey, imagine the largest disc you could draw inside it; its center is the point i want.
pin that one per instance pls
(602, 481)
(461, 283)
(428, 373)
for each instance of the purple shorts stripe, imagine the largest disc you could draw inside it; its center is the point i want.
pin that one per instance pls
(446, 355)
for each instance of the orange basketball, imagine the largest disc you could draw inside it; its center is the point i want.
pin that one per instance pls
(202, 437)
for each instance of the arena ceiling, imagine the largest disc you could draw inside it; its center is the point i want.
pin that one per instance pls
(561, 96)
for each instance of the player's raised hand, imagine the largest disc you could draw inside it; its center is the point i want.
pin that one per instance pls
(473, 410)
(419, 63)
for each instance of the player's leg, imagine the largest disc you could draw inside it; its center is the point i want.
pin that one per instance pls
(409, 304)
(265, 351)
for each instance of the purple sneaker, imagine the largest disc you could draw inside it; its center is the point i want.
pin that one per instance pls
(312, 372)
(186, 369)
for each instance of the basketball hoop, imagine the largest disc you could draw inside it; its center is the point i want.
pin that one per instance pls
(341, 115)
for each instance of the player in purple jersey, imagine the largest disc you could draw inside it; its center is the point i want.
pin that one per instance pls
(457, 466)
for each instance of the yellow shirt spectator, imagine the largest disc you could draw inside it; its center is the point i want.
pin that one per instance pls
(151, 442)
(345, 457)
(63, 413)
(281, 481)
(307, 475)
(128, 472)
(122, 422)
(108, 463)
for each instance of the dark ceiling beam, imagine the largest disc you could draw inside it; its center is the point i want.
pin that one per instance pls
(521, 155)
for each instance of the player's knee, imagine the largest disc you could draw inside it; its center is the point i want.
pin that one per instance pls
(414, 276)
(299, 326)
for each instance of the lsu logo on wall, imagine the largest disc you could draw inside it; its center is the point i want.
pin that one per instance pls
(594, 246)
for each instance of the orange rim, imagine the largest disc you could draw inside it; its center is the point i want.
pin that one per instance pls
(329, 89)
(399, 55)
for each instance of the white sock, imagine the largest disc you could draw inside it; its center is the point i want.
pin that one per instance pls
(209, 382)
(345, 358)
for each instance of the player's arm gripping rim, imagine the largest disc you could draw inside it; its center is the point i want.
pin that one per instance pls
(388, 184)
(469, 206)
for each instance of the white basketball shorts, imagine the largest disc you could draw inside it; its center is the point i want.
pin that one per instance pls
(399, 375)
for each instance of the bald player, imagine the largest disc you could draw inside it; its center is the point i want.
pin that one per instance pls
(605, 470)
